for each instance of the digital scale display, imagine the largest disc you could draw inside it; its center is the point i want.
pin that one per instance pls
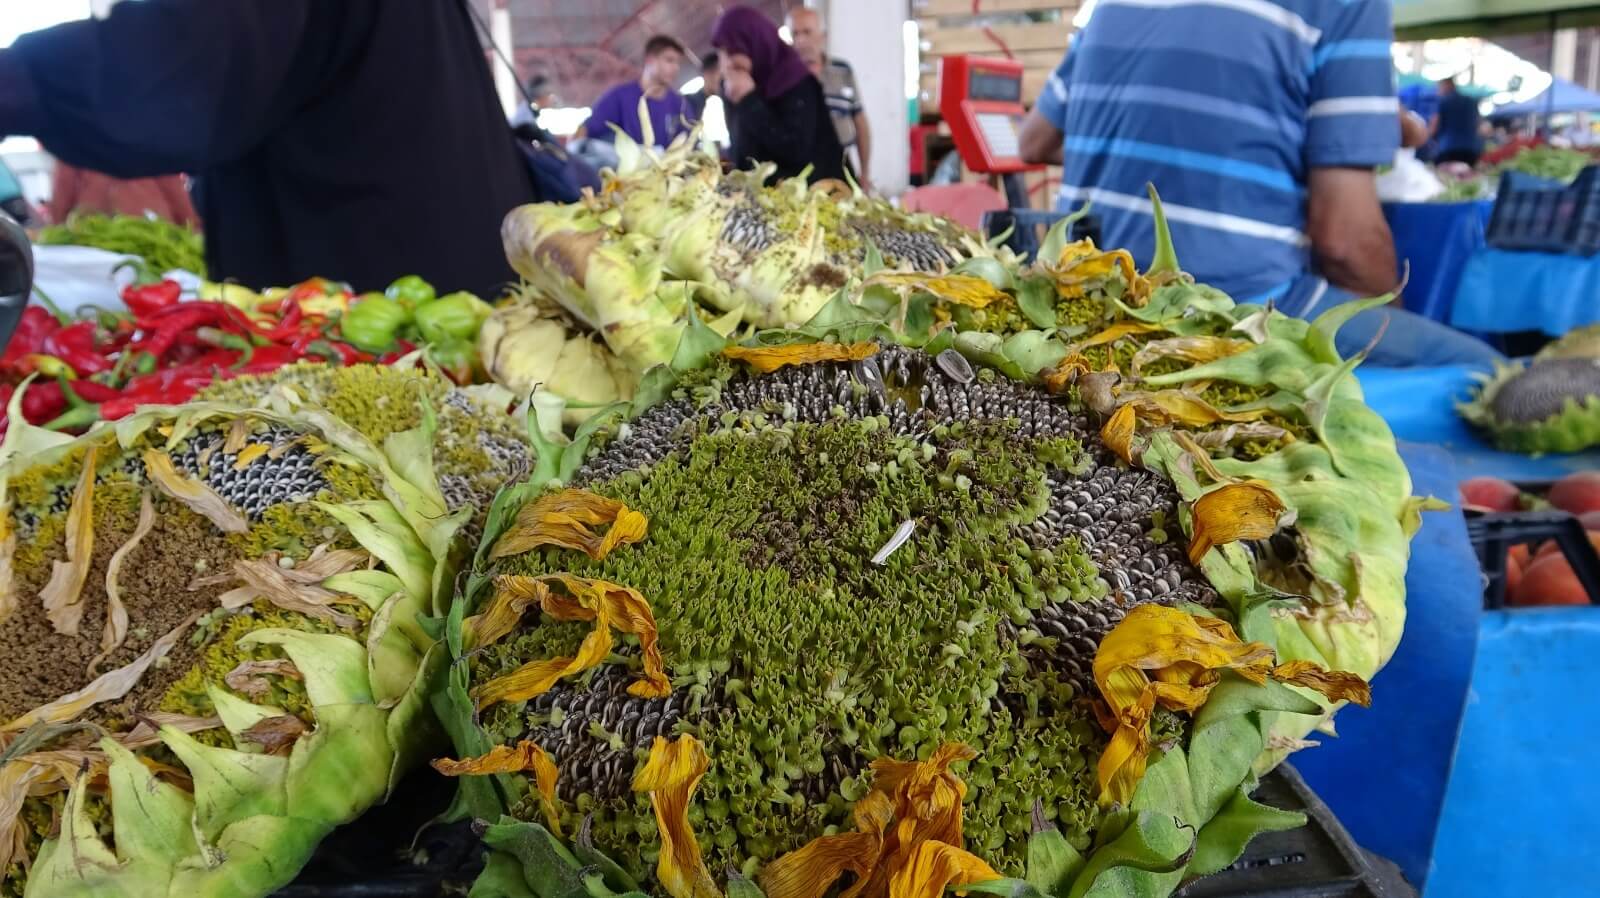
(982, 85)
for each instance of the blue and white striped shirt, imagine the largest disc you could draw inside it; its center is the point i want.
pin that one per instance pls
(1223, 105)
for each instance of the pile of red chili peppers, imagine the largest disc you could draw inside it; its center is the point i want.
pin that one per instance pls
(163, 351)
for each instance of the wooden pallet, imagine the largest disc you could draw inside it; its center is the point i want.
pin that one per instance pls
(1005, 28)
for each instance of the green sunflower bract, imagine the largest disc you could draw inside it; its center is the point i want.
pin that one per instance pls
(1013, 585)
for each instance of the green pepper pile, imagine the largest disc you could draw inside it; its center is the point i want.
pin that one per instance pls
(410, 312)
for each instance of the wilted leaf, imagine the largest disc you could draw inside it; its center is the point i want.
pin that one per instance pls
(1117, 433)
(1195, 350)
(63, 595)
(297, 588)
(1065, 373)
(116, 628)
(1188, 409)
(564, 518)
(1255, 430)
(1245, 510)
(275, 735)
(109, 686)
(670, 776)
(147, 731)
(249, 678)
(17, 779)
(1334, 684)
(196, 496)
(1116, 332)
(766, 359)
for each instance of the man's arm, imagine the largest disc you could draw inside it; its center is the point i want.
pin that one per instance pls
(164, 85)
(863, 144)
(1040, 140)
(1350, 239)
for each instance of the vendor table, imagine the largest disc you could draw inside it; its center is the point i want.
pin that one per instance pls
(1419, 405)
(1502, 291)
(1435, 240)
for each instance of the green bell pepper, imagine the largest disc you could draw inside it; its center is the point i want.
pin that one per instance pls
(373, 324)
(458, 359)
(454, 317)
(410, 291)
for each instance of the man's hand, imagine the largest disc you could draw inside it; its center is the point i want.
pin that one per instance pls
(1350, 240)
(1040, 140)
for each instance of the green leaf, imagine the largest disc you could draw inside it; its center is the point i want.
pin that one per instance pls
(1229, 734)
(873, 263)
(989, 269)
(547, 866)
(616, 877)
(1165, 260)
(697, 346)
(229, 786)
(1055, 239)
(256, 856)
(334, 667)
(1319, 339)
(1033, 351)
(501, 878)
(1036, 299)
(372, 587)
(341, 768)
(151, 819)
(1052, 861)
(1223, 840)
(1144, 861)
(741, 886)
(1006, 888)
(238, 715)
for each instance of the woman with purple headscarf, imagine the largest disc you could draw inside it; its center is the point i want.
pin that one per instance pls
(776, 112)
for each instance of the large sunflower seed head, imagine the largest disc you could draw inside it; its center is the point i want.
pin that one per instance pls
(1543, 389)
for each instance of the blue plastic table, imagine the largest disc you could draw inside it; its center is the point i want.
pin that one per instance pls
(1419, 404)
(1435, 240)
(1502, 291)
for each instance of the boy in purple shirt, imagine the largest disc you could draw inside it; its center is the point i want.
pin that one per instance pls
(657, 84)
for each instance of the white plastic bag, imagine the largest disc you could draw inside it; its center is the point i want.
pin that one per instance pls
(1409, 181)
(78, 276)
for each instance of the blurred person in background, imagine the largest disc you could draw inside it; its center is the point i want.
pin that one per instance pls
(657, 84)
(75, 189)
(1264, 160)
(810, 38)
(710, 85)
(360, 140)
(1455, 126)
(776, 110)
(541, 94)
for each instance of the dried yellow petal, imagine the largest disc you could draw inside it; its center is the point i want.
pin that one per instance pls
(1117, 432)
(961, 289)
(198, 497)
(527, 755)
(621, 608)
(63, 595)
(536, 677)
(671, 775)
(8, 551)
(249, 454)
(116, 628)
(1160, 655)
(935, 867)
(564, 519)
(1189, 409)
(1195, 350)
(812, 869)
(766, 359)
(1116, 332)
(513, 596)
(1248, 509)
(1065, 372)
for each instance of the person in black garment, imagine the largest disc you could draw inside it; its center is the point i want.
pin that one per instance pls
(776, 111)
(360, 140)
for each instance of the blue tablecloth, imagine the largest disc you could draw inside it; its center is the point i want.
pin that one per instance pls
(1419, 404)
(1386, 774)
(1435, 240)
(1502, 291)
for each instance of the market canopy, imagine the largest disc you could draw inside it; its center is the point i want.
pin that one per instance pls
(1560, 96)
(1422, 19)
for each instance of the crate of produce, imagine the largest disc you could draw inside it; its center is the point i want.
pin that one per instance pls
(1537, 215)
(1536, 542)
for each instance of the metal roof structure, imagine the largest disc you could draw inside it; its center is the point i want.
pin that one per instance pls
(585, 46)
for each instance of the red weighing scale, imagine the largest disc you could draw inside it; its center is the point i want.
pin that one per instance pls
(980, 98)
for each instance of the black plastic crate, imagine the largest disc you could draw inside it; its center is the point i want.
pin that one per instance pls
(1494, 533)
(1536, 215)
(367, 859)
(1028, 227)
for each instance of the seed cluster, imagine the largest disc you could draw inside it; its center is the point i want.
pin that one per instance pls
(1543, 389)
(905, 248)
(261, 483)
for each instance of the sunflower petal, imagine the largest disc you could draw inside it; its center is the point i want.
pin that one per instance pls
(1245, 510)
(63, 595)
(1197, 349)
(536, 677)
(935, 867)
(1117, 432)
(811, 870)
(961, 289)
(670, 776)
(766, 359)
(198, 497)
(513, 596)
(1336, 685)
(526, 756)
(564, 519)
(116, 628)
(1179, 407)
(1116, 332)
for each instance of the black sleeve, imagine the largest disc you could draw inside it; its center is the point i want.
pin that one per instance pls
(782, 131)
(159, 86)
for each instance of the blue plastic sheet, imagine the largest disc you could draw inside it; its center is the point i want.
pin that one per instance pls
(1434, 241)
(1503, 291)
(1420, 406)
(1385, 775)
(1520, 816)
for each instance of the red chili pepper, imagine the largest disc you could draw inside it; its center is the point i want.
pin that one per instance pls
(151, 297)
(90, 391)
(77, 345)
(42, 402)
(28, 339)
(289, 325)
(168, 326)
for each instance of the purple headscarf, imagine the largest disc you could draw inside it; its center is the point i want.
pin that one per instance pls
(773, 64)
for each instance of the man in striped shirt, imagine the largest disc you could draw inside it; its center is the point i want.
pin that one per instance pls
(1260, 122)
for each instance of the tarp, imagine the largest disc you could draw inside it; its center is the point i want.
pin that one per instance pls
(1421, 19)
(1560, 96)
